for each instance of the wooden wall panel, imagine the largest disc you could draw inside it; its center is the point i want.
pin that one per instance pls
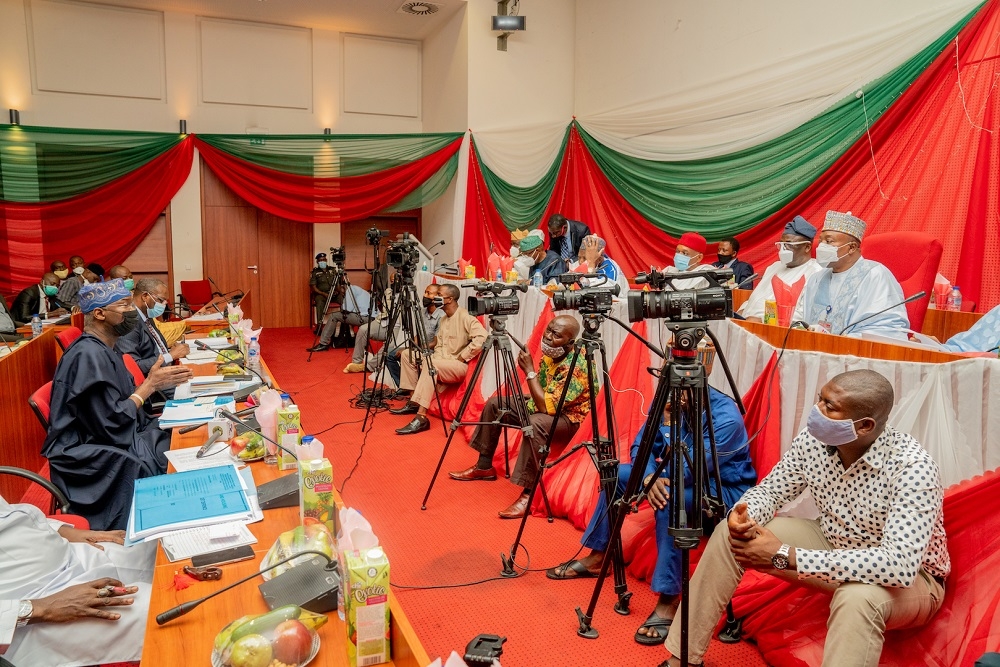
(285, 259)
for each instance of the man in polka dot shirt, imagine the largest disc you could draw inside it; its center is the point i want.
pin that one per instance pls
(879, 545)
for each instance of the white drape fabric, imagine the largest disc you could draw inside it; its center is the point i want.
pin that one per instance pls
(522, 155)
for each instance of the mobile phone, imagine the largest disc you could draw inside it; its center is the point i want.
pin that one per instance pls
(233, 555)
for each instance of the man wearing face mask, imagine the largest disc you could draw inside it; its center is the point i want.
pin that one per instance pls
(879, 544)
(38, 300)
(728, 249)
(688, 256)
(100, 440)
(70, 287)
(546, 386)
(58, 267)
(320, 284)
(122, 271)
(432, 314)
(533, 259)
(850, 287)
(794, 262)
(145, 343)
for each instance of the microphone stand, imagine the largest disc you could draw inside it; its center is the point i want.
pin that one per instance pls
(185, 607)
(240, 424)
(919, 295)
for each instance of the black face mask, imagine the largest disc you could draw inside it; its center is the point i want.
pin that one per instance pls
(130, 319)
(724, 259)
(427, 301)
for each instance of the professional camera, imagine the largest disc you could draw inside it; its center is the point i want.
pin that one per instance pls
(403, 253)
(338, 256)
(490, 300)
(588, 300)
(711, 303)
(374, 236)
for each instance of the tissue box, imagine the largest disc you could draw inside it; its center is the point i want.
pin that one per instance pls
(289, 435)
(366, 603)
(316, 493)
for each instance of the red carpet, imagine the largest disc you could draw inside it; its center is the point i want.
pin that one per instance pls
(459, 538)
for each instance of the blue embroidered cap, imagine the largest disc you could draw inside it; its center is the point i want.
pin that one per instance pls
(800, 227)
(100, 295)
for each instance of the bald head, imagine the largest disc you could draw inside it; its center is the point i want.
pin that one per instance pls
(865, 394)
(568, 324)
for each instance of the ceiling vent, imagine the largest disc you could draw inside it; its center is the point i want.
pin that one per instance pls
(419, 8)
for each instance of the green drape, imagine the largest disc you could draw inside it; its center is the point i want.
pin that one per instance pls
(46, 164)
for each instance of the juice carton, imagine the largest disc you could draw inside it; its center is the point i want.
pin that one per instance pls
(770, 312)
(316, 493)
(367, 607)
(289, 435)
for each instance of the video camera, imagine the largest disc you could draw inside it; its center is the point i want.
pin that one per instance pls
(497, 304)
(596, 300)
(403, 253)
(374, 236)
(714, 302)
(338, 256)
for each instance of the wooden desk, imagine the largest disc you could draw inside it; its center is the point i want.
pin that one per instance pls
(188, 639)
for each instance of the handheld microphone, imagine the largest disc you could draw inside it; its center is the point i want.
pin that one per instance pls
(220, 430)
(184, 608)
(243, 427)
(747, 280)
(916, 296)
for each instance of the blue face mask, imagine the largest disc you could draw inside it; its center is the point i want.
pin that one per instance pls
(322, 265)
(156, 310)
(681, 262)
(129, 284)
(831, 432)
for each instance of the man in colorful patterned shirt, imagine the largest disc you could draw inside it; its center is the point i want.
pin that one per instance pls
(546, 386)
(879, 544)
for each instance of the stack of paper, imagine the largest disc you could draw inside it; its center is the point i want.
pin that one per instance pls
(190, 411)
(194, 541)
(183, 500)
(206, 317)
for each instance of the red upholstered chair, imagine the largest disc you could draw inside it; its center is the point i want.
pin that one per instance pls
(913, 258)
(154, 406)
(40, 401)
(194, 294)
(66, 337)
(58, 506)
(133, 368)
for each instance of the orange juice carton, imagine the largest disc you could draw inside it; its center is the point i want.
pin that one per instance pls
(367, 607)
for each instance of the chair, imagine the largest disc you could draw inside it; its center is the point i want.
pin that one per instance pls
(157, 401)
(194, 295)
(59, 502)
(913, 258)
(40, 402)
(66, 337)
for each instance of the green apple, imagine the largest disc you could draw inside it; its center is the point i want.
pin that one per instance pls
(251, 651)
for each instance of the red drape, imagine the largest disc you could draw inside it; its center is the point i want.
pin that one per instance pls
(307, 199)
(104, 225)
(763, 418)
(484, 229)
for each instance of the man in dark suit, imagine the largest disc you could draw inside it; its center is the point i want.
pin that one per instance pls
(145, 343)
(566, 236)
(38, 300)
(728, 249)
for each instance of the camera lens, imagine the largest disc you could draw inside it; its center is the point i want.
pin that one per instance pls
(493, 305)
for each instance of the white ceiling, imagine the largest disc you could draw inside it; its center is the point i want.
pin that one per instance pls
(368, 17)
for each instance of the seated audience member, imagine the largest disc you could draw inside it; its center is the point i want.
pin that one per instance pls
(533, 259)
(145, 343)
(375, 329)
(356, 309)
(38, 300)
(729, 248)
(121, 271)
(737, 475)
(515, 241)
(431, 314)
(460, 338)
(100, 439)
(320, 284)
(565, 236)
(879, 545)
(97, 270)
(794, 262)
(70, 597)
(984, 336)
(58, 267)
(593, 259)
(7, 325)
(70, 287)
(545, 386)
(688, 256)
(850, 287)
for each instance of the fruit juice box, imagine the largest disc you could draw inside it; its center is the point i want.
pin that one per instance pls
(316, 493)
(289, 435)
(770, 312)
(367, 607)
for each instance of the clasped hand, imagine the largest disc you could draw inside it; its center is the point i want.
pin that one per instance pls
(752, 545)
(659, 493)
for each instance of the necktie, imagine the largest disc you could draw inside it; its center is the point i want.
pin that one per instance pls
(159, 341)
(566, 252)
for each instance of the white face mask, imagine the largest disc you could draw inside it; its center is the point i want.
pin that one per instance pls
(78, 270)
(827, 254)
(785, 256)
(515, 251)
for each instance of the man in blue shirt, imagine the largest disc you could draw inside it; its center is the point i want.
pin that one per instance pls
(737, 475)
(593, 254)
(984, 336)
(354, 310)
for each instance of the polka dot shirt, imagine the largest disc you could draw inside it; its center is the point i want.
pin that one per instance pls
(882, 516)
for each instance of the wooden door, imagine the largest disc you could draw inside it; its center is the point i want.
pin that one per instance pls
(359, 253)
(285, 259)
(228, 239)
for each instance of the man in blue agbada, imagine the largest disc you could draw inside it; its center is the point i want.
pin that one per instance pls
(100, 440)
(737, 474)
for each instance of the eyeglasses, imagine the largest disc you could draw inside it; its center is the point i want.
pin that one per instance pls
(787, 245)
(157, 299)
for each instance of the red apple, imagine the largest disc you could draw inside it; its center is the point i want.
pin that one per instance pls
(238, 444)
(292, 642)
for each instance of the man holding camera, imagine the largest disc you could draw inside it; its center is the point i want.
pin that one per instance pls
(460, 338)
(546, 387)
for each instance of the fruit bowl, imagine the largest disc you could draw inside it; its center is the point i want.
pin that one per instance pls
(283, 637)
(217, 657)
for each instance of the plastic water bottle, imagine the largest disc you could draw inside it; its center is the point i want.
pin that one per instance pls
(253, 355)
(499, 276)
(425, 267)
(954, 299)
(536, 280)
(286, 400)
(36, 326)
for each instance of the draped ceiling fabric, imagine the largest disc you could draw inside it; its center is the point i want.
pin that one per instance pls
(914, 151)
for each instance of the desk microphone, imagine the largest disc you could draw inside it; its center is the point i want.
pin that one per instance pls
(184, 608)
(195, 427)
(916, 296)
(243, 427)
(441, 242)
(747, 280)
(201, 346)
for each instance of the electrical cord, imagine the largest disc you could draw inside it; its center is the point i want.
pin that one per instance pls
(770, 382)
(357, 462)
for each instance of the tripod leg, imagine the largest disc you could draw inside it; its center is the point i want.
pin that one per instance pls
(732, 630)
(545, 499)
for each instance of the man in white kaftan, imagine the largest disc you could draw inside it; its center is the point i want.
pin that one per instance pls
(64, 573)
(984, 336)
(850, 287)
(794, 262)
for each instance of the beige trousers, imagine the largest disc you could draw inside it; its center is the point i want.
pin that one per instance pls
(859, 613)
(449, 371)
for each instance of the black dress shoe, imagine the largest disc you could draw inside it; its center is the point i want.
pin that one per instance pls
(418, 425)
(319, 348)
(410, 408)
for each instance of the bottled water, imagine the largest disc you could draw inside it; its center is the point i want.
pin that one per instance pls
(253, 355)
(954, 299)
(536, 279)
(36, 326)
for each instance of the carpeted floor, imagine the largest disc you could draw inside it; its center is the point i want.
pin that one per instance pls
(459, 538)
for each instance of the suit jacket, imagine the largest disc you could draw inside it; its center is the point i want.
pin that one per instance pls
(26, 304)
(6, 322)
(575, 231)
(141, 346)
(741, 271)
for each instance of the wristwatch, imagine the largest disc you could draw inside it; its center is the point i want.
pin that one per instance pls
(24, 610)
(531, 375)
(780, 559)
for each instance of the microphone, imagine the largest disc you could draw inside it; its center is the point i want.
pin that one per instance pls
(441, 242)
(242, 427)
(201, 346)
(748, 280)
(916, 296)
(184, 608)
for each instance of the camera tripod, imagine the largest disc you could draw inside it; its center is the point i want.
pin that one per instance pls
(509, 394)
(682, 377)
(339, 278)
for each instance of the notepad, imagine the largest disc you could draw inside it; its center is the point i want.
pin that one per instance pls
(190, 411)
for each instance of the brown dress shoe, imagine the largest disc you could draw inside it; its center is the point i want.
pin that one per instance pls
(516, 510)
(472, 474)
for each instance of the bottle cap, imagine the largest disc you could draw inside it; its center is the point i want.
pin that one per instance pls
(307, 438)
(285, 396)
(253, 338)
